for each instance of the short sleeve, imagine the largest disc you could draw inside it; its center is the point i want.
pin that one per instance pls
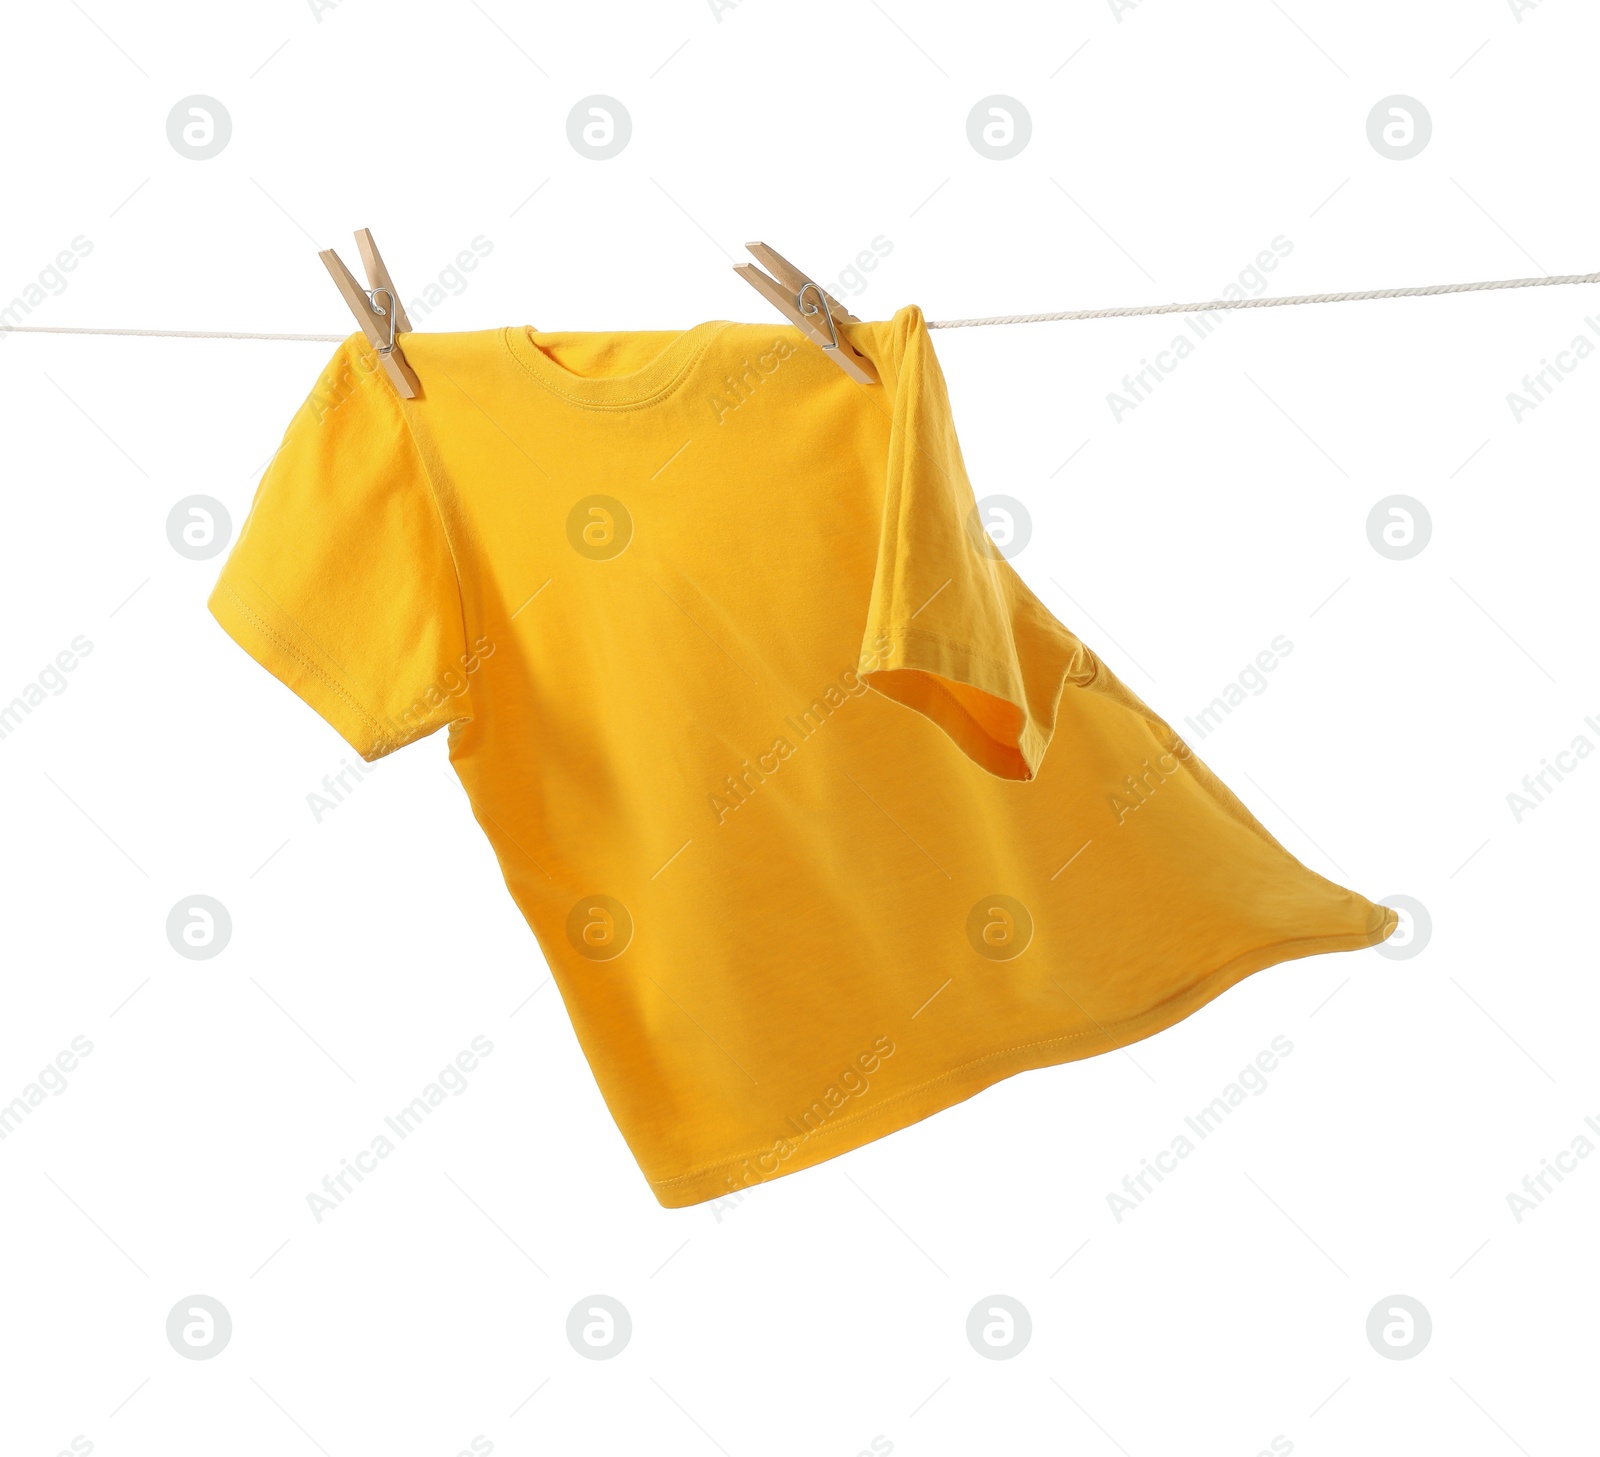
(341, 582)
(952, 631)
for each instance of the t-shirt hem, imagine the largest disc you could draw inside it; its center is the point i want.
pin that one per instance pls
(732, 1176)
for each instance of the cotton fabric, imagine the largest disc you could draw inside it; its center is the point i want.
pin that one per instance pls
(822, 820)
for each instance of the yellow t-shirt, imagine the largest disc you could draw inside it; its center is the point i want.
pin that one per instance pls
(822, 820)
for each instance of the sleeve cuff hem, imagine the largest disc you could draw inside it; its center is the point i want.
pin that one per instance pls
(979, 703)
(260, 629)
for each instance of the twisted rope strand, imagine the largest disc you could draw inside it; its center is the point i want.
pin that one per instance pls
(1126, 312)
(173, 333)
(1265, 301)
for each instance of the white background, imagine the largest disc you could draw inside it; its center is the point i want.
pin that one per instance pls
(826, 1310)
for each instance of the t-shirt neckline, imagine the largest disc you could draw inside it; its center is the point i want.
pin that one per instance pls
(641, 387)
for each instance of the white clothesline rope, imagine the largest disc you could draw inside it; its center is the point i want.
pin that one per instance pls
(1267, 302)
(1126, 312)
(175, 334)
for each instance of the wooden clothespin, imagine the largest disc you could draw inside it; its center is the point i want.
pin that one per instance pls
(378, 310)
(808, 306)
